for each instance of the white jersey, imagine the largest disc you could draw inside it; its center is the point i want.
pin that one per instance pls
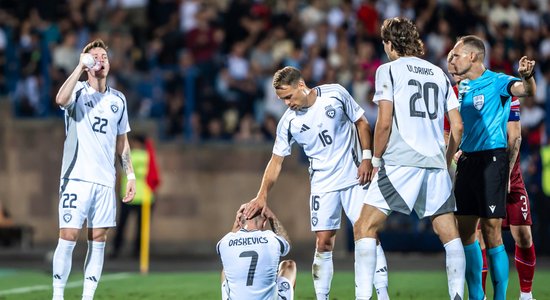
(93, 121)
(327, 133)
(250, 260)
(421, 94)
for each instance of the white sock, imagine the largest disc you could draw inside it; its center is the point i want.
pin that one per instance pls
(62, 262)
(365, 267)
(381, 274)
(92, 268)
(322, 270)
(525, 296)
(456, 267)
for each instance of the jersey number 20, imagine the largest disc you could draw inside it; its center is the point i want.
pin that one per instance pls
(424, 93)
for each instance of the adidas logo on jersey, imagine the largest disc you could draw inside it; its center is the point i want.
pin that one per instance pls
(89, 104)
(304, 128)
(492, 208)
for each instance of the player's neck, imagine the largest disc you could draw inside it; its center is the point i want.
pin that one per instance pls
(311, 96)
(99, 85)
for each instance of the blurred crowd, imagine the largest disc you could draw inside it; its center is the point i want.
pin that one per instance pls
(203, 69)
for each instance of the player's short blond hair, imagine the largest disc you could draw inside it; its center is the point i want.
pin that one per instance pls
(475, 44)
(98, 43)
(286, 76)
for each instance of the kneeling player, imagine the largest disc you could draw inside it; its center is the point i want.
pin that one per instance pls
(250, 255)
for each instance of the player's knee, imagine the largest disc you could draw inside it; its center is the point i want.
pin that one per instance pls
(97, 235)
(363, 230)
(69, 234)
(524, 240)
(324, 245)
(288, 265)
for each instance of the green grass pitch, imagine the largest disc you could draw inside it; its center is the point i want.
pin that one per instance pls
(27, 285)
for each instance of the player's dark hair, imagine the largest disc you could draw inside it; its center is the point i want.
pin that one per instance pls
(99, 43)
(403, 36)
(475, 42)
(286, 76)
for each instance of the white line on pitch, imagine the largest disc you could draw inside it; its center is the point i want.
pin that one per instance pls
(72, 284)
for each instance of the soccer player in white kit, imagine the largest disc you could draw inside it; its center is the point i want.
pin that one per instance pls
(96, 123)
(250, 255)
(409, 154)
(335, 135)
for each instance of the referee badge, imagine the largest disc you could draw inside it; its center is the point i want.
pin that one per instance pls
(479, 100)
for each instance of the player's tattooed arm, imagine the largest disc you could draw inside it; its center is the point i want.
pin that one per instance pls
(126, 162)
(276, 225)
(123, 149)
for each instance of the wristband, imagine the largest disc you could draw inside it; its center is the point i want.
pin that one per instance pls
(376, 162)
(367, 154)
(131, 176)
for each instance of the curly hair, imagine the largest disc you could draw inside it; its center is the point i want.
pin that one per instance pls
(99, 43)
(403, 36)
(286, 76)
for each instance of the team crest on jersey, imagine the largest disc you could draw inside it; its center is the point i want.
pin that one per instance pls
(67, 217)
(114, 108)
(284, 286)
(314, 221)
(330, 111)
(479, 100)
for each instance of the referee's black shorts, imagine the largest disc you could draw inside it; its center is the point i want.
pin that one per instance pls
(481, 183)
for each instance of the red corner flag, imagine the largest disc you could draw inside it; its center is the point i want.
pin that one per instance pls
(153, 176)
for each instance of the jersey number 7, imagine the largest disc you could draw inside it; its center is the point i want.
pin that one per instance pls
(253, 263)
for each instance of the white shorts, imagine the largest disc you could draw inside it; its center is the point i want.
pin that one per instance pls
(326, 208)
(398, 188)
(285, 290)
(82, 200)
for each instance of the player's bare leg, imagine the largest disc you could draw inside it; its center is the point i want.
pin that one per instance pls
(322, 269)
(447, 230)
(94, 261)
(525, 259)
